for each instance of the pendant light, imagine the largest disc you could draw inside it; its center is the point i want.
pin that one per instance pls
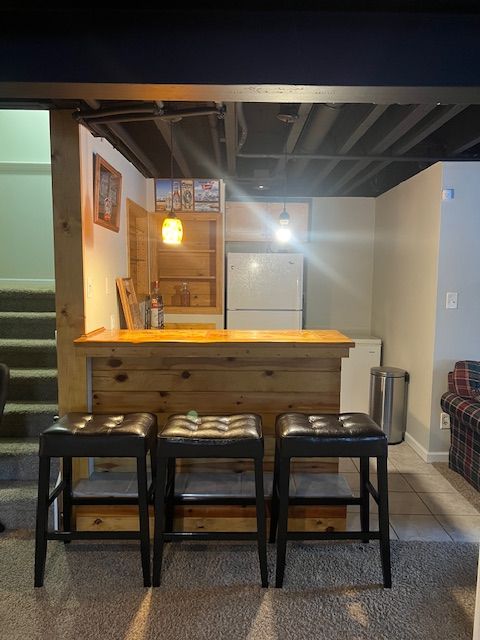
(172, 228)
(283, 233)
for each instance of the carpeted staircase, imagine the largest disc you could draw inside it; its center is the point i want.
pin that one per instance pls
(27, 346)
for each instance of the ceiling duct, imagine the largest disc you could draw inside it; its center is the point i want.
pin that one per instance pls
(144, 112)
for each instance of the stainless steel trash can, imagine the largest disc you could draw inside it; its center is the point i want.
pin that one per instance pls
(388, 401)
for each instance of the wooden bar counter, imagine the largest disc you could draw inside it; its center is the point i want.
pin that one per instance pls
(216, 371)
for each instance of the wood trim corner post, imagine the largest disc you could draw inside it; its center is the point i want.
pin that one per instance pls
(68, 244)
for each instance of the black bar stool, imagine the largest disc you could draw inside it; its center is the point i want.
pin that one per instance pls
(84, 435)
(346, 435)
(185, 436)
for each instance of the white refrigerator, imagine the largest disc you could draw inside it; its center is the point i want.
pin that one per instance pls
(264, 291)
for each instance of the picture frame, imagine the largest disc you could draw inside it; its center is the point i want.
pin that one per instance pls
(206, 194)
(198, 195)
(130, 305)
(163, 194)
(107, 194)
(187, 194)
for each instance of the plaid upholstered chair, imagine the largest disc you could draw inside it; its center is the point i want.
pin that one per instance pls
(462, 403)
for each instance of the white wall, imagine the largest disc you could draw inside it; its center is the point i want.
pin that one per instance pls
(105, 252)
(26, 221)
(457, 330)
(339, 259)
(407, 233)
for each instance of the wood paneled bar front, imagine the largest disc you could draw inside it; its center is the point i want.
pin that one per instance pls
(212, 372)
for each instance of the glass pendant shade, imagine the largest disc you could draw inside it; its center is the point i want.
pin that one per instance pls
(172, 229)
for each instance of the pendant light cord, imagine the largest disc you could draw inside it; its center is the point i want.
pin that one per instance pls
(285, 173)
(171, 166)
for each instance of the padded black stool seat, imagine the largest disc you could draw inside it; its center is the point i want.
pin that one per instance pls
(344, 435)
(191, 436)
(93, 435)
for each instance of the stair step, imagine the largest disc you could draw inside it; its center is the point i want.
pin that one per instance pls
(27, 300)
(19, 460)
(28, 353)
(23, 324)
(33, 384)
(18, 504)
(26, 419)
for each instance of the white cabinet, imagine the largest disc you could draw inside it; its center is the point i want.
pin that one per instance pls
(258, 221)
(355, 377)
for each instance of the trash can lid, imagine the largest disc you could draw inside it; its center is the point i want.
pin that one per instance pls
(388, 372)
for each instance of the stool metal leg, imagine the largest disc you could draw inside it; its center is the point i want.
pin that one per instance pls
(261, 525)
(159, 520)
(42, 520)
(365, 497)
(274, 502)
(383, 520)
(170, 505)
(67, 495)
(143, 518)
(283, 490)
(153, 464)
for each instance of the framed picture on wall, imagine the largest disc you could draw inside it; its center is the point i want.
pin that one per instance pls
(206, 194)
(107, 194)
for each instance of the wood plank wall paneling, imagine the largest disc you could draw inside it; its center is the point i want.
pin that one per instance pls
(207, 363)
(211, 519)
(216, 385)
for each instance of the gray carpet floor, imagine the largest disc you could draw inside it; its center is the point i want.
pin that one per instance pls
(211, 591)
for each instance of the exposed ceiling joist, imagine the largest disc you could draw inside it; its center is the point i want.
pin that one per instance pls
(231, 132)
(319, 124)
(387, 136)
(351, 140)
(165, 130)
(127, 139)
(466, 135)
(294, 134)
(438, 118)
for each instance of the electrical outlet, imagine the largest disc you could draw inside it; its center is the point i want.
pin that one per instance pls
(444, 420)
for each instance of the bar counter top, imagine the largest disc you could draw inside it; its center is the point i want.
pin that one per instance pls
(216, 372)
(327, 337)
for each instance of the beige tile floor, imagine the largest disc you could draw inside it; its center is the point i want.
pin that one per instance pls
(423, 504)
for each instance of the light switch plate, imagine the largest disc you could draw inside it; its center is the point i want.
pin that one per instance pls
(89, 288)
(451, 300)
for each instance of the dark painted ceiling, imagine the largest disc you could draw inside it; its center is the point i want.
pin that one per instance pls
(321, 149)
(289, 149)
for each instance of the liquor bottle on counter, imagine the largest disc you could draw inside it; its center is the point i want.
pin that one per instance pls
(148, 313)
(157, 320)
(185, 295)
